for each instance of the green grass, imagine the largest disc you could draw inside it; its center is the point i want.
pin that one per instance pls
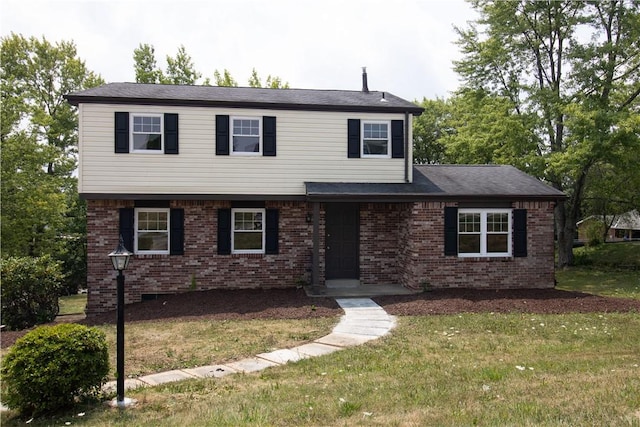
(469, 369)
(611, 269)
(614, 283)
(72, 304)
(623, 255)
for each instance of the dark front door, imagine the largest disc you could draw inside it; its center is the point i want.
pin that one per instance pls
(341, 239)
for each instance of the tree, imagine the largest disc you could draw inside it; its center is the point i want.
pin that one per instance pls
(572, 67)
(428, 131)
(180, 69)
(224, 79)
(39, 143)
(272, 82)
(145, 65)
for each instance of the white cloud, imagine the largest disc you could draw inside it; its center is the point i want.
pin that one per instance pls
(407, 45)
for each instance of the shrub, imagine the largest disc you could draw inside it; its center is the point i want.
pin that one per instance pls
(29, 291)
(595, 233)
(51, 366)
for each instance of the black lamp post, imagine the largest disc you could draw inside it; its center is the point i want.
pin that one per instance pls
(120, 259)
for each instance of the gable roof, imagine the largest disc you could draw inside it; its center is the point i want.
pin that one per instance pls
(245, 97)
(444, 182)
(626, 221)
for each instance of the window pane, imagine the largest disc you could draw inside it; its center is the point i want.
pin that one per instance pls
(469, 223)
(150, 241)
(375, 147)
(143, 141)
(246, 144)
(247, 241)
(497, 222)
(497, 243)
(469, 244)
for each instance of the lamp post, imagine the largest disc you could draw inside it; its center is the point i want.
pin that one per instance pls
(120, 259)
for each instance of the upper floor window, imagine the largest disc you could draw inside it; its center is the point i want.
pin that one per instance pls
(146, 132)
(484, 232)
(247, 232)
(151, 231)
(375, 139)
(246, 135)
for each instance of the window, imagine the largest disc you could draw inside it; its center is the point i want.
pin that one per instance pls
(375, 139)
(484, 232)
(247, 232)
(146, 132)
(151, 231)
(245, 136)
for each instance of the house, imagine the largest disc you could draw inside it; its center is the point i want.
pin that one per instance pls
(226, 187)
(625, 226)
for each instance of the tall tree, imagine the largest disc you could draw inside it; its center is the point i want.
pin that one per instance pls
(180, 69)
(145, 65)
(573, 66)
(39, 144)
(429, 129)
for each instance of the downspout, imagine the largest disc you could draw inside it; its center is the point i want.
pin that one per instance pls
(406, 147)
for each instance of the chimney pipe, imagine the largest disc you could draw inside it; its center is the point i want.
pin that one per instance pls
(365, 86)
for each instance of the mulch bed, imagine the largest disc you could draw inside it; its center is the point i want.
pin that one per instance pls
(295, 304)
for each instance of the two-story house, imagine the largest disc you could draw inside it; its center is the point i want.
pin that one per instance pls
(226, 187)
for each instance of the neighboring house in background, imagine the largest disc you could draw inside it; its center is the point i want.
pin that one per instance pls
(243, 188)
(625, 226)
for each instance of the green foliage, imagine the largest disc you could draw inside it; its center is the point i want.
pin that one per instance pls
(181, 70)
(145, 65)
(51, 366)
(224, 79)
(29, 291)
(565, 77)
(429, 130)
(594, 231)
(616, 256)
(39, 144)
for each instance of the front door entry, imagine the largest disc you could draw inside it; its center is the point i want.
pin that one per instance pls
(342, 241)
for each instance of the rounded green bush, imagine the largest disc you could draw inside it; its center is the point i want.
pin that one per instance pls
(29, 291)
(48, 368)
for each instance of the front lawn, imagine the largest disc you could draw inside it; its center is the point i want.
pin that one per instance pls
(467, 369)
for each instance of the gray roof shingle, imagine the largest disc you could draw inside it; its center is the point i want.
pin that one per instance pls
(444, 182)
(299, 99)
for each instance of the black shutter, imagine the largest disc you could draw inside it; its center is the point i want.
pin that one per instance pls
(126, 227)
(519, 232)
(224, 231)
(272, 232)
(268, 136)
(353, 138)
(451, 231)
(397, 139)
(176, 245)
(170, 133)
(222, 135)
(121, 136)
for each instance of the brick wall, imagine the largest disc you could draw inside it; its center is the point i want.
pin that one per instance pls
(399, 243)
(160, 274)
(423, 261)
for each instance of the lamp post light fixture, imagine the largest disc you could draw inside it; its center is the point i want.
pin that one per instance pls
(120, 259)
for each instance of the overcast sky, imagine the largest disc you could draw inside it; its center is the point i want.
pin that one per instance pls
(406, 45)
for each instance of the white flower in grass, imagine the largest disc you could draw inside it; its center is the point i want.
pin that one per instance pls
(486, 387)
(342, 400)
(366, 414)
(520, 368)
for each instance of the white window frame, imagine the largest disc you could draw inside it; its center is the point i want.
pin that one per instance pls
(132, 133)
(137, 230)
(484, 233)
(233, 230)
(245, 153)
(362, 138)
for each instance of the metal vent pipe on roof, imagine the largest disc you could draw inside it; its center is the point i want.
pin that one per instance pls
(365, 86)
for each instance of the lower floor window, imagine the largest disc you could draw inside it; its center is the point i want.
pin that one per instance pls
(484, 232)
(247, 233)
(151, 231)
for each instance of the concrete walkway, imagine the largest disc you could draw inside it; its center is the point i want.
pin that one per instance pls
(363, 321)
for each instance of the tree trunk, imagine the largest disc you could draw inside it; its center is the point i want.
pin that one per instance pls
(566, 231)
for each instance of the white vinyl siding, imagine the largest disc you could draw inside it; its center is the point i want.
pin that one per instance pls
(311, 147)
